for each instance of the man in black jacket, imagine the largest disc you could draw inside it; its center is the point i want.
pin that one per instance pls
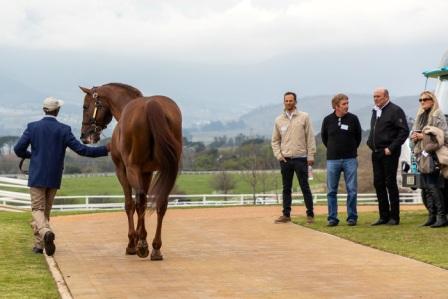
(341, 133)
(388, 131)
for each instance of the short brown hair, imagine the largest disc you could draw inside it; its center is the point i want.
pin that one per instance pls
(337, 99)
(292, 94)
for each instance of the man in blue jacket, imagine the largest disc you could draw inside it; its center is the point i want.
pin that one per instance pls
(48, 139)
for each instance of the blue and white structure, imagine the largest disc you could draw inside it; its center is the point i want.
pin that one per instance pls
(441, 74)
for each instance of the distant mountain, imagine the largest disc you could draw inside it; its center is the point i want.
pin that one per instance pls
(260, 121)
(21, 104)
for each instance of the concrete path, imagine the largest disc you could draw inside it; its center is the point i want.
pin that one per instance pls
(232, 253)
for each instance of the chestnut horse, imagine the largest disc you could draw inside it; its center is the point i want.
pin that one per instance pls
(147, 138)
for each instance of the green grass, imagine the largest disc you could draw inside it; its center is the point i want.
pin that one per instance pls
(429, 245)
(186, 183)
(23, 274)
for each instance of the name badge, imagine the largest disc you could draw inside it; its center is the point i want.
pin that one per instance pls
(344, 127)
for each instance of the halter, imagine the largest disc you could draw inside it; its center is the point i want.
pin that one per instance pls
(95, 126)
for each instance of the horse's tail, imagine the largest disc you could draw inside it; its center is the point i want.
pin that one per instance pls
(167, 147)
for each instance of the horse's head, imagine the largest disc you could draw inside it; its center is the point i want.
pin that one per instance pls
(96, 115)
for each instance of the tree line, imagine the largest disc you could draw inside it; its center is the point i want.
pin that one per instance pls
(238, 153)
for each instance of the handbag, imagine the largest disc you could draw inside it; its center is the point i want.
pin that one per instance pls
(428, 163)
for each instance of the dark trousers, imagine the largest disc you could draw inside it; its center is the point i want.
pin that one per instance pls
(445, 195)
(300, 167)
(385, 182)
(434, 202)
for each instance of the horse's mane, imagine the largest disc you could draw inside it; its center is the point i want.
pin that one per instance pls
(132, 90)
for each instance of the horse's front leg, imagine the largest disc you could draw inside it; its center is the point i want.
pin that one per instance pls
(129, 207)
(142, 245)
(156, 255)
(132, 235)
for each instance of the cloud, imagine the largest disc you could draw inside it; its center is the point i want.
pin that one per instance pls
(219, 31)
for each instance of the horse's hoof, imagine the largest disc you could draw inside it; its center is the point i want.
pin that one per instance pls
(131, 251)
(142, 249)
(156, 255)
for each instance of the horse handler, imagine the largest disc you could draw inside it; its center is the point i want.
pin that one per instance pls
(48, 139)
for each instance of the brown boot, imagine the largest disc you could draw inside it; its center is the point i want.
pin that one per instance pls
(283, 219)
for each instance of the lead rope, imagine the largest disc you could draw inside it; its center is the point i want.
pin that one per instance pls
(21, 165)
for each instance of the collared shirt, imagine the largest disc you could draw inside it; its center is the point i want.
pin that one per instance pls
(380, 110)
(289, 115)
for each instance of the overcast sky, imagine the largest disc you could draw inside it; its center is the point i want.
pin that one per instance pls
(240, 48)
(224, 32)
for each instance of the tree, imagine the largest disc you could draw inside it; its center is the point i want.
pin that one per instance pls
(223, 181)
(250, 150)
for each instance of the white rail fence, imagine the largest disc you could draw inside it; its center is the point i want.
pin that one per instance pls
(21, 199)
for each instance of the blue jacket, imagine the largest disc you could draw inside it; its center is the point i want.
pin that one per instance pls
(49, 140)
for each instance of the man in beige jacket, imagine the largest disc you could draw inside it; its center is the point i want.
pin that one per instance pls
(294, 146)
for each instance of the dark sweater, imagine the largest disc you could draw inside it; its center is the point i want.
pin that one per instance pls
(390, 130)
(341, 138)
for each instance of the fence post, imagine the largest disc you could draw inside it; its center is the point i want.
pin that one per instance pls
(87, 202)
(204, 200)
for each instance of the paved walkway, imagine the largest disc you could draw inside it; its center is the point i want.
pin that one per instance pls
(232, 253)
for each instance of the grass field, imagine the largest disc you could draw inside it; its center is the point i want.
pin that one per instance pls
(23, 274)
(429, 245)
(186, 184)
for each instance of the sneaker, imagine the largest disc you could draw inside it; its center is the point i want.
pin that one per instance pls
(309, 219)
(38, 250)
(50, 248)
(283, 219)
(351, 222)
(332, 223)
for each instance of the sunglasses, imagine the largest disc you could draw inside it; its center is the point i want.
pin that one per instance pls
(424, 99)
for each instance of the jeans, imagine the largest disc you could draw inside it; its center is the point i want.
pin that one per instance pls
(334, 169)
(385, 182)
(300, 167)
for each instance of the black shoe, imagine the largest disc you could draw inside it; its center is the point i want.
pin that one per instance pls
(50, 248)
(379, 222)
(38, 250)
(351, 222)
(332, 223)
(392, 222)
(441, 222)
(430, 221)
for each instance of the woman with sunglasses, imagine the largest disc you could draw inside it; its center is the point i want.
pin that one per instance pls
(429, 114)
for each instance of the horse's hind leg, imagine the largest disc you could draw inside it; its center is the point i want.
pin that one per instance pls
(156, 255)
(129, 208)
